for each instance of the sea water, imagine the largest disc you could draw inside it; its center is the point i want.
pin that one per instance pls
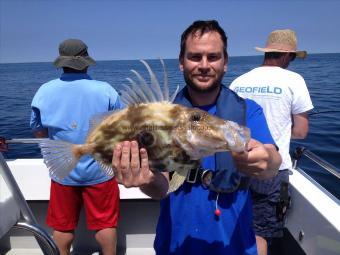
(20, 81)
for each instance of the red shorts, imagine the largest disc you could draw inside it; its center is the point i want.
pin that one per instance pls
(101, 203)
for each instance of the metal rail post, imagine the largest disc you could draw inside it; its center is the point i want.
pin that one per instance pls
(29, 223)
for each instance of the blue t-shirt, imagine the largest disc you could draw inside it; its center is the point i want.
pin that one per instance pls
(65, 106)
(187, 223)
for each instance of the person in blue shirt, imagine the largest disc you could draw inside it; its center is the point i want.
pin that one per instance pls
(197, 219)
(61, 110)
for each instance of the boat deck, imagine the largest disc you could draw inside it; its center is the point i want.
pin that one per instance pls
(137, 222)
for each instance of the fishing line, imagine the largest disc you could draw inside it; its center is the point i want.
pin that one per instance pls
(217, 211)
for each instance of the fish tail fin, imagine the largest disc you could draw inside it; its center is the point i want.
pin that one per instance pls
(60, 157)
(177, 180)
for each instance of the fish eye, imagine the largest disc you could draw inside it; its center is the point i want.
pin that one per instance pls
(196, 116)
(146, 138)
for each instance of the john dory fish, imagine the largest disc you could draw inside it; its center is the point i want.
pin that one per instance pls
(175, 137)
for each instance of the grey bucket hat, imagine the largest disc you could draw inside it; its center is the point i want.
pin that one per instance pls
(73, 54)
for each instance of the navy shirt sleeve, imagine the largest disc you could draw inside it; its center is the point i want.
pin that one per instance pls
(118, 104)
(35, 121)
(257, 123)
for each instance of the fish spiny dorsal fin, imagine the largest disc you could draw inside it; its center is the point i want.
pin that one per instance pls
(174, 95)
(126, 98)
(154, 83)
(165, 83)
(132, 95)
(139, 91)
(142, 92)
(143, 86)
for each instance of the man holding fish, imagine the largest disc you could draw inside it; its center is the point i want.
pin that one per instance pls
(210, 212)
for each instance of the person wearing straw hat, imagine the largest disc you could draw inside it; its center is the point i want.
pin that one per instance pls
(285, 100)
(61, 110)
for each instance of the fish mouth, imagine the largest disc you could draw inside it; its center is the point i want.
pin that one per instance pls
(236, 136)
(198, 152)
(222, 136)
(198, 147)
(228, 136)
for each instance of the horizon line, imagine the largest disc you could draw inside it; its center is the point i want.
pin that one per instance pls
(148, 59)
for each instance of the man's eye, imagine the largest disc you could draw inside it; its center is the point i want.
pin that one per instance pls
(195, 58)
(213, 57)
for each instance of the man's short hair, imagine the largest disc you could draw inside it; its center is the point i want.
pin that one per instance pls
(202, 27)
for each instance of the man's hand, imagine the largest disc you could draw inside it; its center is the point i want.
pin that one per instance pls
(131, 169)
(261, 161)
(3, 145)
(131, 165)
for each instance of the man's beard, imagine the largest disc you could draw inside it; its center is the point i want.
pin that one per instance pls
(198, 89)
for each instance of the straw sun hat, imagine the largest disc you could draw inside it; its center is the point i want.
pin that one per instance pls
(282, 41)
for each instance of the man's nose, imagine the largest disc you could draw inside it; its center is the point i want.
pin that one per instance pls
(204, 63)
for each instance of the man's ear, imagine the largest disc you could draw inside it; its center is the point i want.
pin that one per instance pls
(285, 60)
(181, 64)
(226, 58)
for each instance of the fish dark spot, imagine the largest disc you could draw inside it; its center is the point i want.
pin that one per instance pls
(145, 138)
(159, 166)
(182, 157)
(135, 113)
(195, 116)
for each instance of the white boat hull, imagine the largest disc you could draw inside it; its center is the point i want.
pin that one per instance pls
(313, 220)
(314, 217)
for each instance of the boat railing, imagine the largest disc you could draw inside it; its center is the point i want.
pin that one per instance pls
(302, 151)
(25, 218)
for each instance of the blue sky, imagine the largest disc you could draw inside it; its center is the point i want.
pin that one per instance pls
(31, 30)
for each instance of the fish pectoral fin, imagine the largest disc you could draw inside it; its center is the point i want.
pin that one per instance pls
(107, 169)
(177, 180)
(59, 157)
